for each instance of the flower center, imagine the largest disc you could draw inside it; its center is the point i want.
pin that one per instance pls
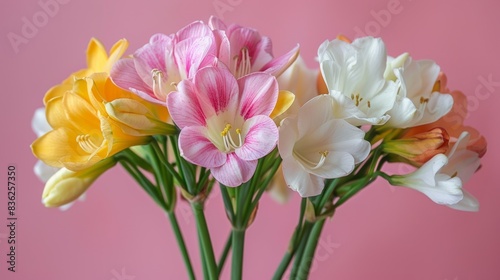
(227, 138)
(242, 63)
(87, 143)
(357, 100)
(159, 86)
(312, 165)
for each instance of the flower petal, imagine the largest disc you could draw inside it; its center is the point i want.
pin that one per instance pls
(218, 90)
(299, 180)
(285, 101)
(468, 203)
(259, 94)
(278, 65)
(196, 148)
(195, 29)
(194, 53)
(39, 122)
(125, 76)
(44, 171)
(184, 106)
(261, 135)
(235, 171)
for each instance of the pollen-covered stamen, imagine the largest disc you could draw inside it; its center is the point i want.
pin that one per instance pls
(227, 138)
(313, 165)
(157, 76)
(86, 143)
(357, 100)
(423, 100)
(242, 63)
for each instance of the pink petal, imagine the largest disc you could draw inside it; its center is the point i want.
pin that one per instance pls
(261, 135)
(196, 29)
(263, 54)
(259, 94)
(235, 171)
(241, 37)
(153, 56)
(278, 65)
(125, 76)
(224, 51)
(193, 54)
(184, 106)
(218, 90)
(196, 148)
(216, 24)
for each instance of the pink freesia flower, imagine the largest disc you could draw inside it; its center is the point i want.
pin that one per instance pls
(158, 66)
(245, 51)
(224, 121)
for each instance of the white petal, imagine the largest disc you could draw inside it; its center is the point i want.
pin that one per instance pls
(288, 134)
(468, 203)
(44, 171)
(300, 180)
(39, 122)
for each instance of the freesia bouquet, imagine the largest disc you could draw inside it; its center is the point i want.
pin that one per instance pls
(210, 106)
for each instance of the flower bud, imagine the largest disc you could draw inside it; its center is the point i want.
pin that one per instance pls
(66, 186)
(417, 149)
(137, 118)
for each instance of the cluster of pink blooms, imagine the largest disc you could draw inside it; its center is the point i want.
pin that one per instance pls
(219, 85)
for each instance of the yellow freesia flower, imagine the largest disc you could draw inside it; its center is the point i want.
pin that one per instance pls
(83, 131)
(98, 61)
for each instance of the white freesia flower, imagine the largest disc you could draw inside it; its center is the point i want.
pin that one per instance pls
(354, 75)
(416, 103)
(442, 177)
(302, 82)
(43, 171)
(314, 146)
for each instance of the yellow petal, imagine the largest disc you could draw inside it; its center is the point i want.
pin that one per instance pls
(115, 54)
(56, 91)
(97, 56)
(285, 100)
(79, 112)
(54, 145)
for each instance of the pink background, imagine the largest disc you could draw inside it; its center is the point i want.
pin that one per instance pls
(383, 233)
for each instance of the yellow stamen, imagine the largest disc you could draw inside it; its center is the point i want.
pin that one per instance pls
(86, 143)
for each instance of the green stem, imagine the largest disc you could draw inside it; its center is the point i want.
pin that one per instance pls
(238, 242)
(306, 230)
(310, 249)
(166, 164)
(205, 241)
(137, 160)
(181, 243)
(294, 242)
(225, 252)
